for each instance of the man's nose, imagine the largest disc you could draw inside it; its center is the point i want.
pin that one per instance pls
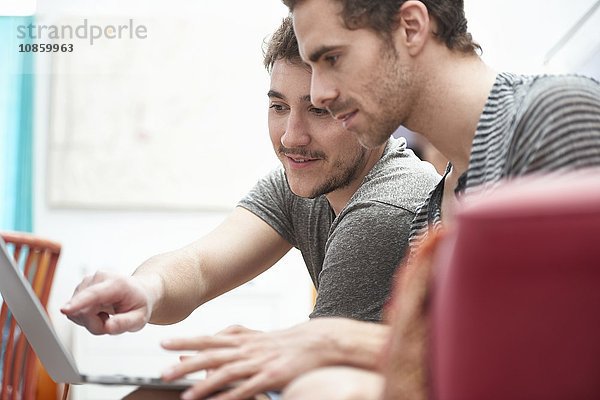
(296, 133)
(322, 90)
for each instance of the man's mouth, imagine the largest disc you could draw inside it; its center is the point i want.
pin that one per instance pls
(345, 117)
(300, 159)
(300, 162)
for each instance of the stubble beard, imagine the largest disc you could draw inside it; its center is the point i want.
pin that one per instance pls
(344, 176)
(390, 85)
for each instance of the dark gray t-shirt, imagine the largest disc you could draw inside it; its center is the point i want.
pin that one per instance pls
(351, 258)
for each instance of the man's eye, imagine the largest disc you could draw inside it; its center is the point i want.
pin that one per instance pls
(277, 107)
(319, 111)
(331, 60)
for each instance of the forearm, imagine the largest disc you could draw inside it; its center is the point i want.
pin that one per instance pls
(173, 283)
(352, 343)
(363, 345)
(236, 251)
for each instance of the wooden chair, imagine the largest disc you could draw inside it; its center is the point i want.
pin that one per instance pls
(22, 372)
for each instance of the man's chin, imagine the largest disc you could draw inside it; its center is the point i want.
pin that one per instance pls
(306, 194)
(369, 140)
(301, 188)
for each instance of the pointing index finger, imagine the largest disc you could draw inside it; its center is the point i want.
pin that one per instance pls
(103, 293)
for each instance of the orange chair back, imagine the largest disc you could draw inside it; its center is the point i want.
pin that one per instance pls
(37, 258)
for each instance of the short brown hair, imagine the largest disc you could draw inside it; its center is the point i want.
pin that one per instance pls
(282, 45)
(380, 16)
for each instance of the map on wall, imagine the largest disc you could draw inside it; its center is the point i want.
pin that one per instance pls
(176, 120)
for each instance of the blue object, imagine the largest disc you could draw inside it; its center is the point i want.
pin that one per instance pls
(16, 133)
(16, 127)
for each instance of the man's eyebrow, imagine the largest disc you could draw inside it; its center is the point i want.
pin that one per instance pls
(276, 94)
(315, 55)
(273, 93)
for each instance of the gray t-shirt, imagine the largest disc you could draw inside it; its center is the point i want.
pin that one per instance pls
(350, 257)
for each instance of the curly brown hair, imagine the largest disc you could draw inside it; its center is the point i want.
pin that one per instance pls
(380, 16)
(282, 45)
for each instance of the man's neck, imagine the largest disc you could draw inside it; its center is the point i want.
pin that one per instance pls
(338, 199)
(449, 110)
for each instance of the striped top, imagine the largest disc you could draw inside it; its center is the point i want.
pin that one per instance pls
(530, 124)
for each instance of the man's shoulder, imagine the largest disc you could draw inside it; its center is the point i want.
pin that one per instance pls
(566, 81)
(400, 179)
(551, 100)
(550, 88)
(398, 161)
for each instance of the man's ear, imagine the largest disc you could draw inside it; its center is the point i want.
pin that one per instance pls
(413, 26)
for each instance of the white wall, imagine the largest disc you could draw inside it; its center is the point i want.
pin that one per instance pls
(521, 36)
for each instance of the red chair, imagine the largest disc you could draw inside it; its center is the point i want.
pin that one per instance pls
(22, 374)
(516, 295)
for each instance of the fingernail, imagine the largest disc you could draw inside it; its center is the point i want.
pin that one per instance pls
(166, 342)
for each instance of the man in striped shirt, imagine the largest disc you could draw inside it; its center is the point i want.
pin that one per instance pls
(378, 64)
(423, 71)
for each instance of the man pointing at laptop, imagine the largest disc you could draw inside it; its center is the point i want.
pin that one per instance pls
(347, 208)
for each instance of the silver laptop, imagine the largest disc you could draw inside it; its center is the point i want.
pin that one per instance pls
(35, 324)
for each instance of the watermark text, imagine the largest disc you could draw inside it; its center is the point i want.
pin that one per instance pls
(91, 32)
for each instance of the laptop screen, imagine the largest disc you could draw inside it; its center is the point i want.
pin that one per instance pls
(34, 322)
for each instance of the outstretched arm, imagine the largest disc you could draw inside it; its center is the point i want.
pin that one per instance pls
(168, 287)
